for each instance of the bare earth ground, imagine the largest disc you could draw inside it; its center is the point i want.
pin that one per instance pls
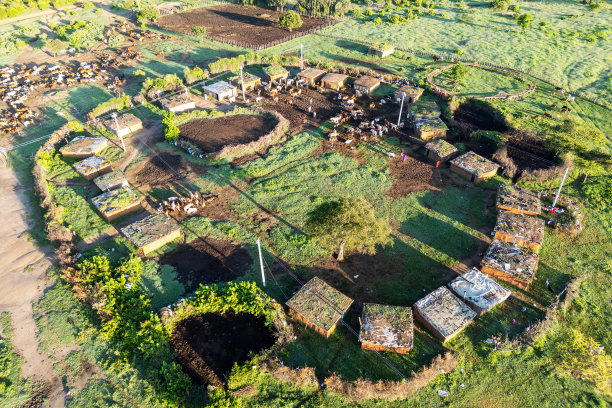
(23, 281)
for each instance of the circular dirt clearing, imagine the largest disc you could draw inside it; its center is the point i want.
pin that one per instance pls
(211, 135)
(207, 261)
(207, 345)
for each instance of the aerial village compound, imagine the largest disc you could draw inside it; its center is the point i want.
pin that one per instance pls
(305, 203)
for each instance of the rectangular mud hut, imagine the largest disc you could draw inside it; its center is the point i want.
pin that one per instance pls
(430, 128)
(334, 81)
(428, 110)
(111, 181)
(221, 90)
(84, 146)
(92, 167)
(319, 306)
(521, 230)
(443, 313)
(366, 84)
(311, 75)
(178, 103)
(510, 263)
(413, 94)
(381, 50)
(128, 124)
(152, 232)
(386, 328)
(518, 200)
(275, 73)
(479, 291)
(250, 81)
(474, 167)
(115, 203)
(440, 150)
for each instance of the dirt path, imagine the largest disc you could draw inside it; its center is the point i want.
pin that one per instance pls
(22, 273)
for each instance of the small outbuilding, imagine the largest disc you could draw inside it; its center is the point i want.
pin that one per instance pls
(250, 81)
(382, 50)
(520, 230)
(84, 146)
(319, 306)
(275, 73)
(93, 166)
(366, 84)
(116, 203)
(333, 80)
(518, 200)
(221, 90)
(413, 94)
(474, 167)
(479, 291)
(443, 313)
(311, 75)
(440, 150)
(152, 232)
(428, 110)
(111, 181)
(430, 128)
(386, 328)
(178, 103)
(510, 263)
(128, 124)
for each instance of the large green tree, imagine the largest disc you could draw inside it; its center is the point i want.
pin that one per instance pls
(458, 72)
(348, 225)
(290, 20)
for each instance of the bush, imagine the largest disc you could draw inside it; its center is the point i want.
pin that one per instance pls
(458, 51)
(147, 14)
(88, 5)
(195, 74)
(138, 73)
(369, 13)
(515, 8)
(80, 34)
(500, 5)
(115, 40)
(198, 31)
(357, 13)
(290, 20)
(377, 20)
(599, 192)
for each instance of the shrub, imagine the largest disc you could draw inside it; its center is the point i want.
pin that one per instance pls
(138, 73)
(514, 8)
(147, 14)
(195, 74)
(88, 5)
(369, 13)
(599, 192)
(394, 19)
(357, 13)
(198, 31)
(458, 51)
(500, 5)
(290, 20)
(115, 40)
(377, 20)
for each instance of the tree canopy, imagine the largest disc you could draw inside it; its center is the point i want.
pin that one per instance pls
(524, 20)
(458, 72)
(348, 224)
(290, 20)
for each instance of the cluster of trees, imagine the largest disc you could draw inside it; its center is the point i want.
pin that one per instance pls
(78, 33)
(387, 14)
(13, 41)
(171, 130)
(147, 14)
(323, 7)
(169, 82)
(234, 64)
(195, 74)
(118, 103)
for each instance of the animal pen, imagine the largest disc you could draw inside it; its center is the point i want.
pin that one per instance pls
(479, 291)
(319, 306)
(386, 328)
(443, 313)
(83, 146)
(92, 166)
(520, 230)
(115, 203)
(152, 232)
(510, 263)
(473, 166)
(518, 200)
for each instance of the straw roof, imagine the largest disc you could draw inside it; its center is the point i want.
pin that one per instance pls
(409, 90)
(311, 73)
(388, 326)
(110, 181)
(475, 164)
(334, 77)
(248, 78)
(518, 198)
(511, 259)
(478, 289)
(273, 70)
(444, 311)
(429, 124)
(527, 228)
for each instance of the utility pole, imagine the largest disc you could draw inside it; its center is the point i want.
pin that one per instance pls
(242, 82)
(301, 56)
(399, 117)
(559, 190)
(114, 115)
(138, 3)
(263, 276)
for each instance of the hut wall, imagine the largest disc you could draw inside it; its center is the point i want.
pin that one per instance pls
(429, 327)
(152, 246)
(378, 347)
(502, 276)
(516, 210)
(119, 213)
(318, 329)
(431, 134)
(518, 241)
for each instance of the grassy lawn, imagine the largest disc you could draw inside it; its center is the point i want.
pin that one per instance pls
(481, 82)
(14, 390)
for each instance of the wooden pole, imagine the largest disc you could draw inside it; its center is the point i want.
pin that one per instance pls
(114, 115)
(263, 276)
(242, 81)
(559, 190)
(399, 117)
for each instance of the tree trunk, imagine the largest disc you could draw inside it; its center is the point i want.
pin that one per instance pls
(340, 256)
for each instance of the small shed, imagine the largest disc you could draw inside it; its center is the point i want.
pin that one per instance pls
(319, 306)
(424, 110)
(93, 166)
(430, 128)
(250, 81)
(413, 94)
(440, 150)
(386, 328)
(521, 230)
(474, 167)
(382, 50)
(311, 75)
(178, 103)
(443, 313)
(366, 84)
(518, 200)
(84, 146)
(510, 263)
(128, 124)
(111, 181)
(275, 73)
(333, 80)
(479, 291)
(221, 90)
(152, 232)
(116, 203)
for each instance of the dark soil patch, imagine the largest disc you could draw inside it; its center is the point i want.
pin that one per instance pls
(528, 152)
(209, 344)
(249, 26)
(409, 176)
(480, 115)
(163, 168)
(207, 260)
(211, 135)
